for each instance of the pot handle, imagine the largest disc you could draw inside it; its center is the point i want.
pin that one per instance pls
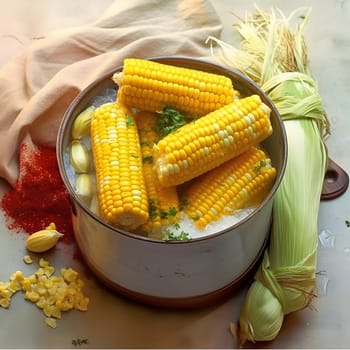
(336, 181)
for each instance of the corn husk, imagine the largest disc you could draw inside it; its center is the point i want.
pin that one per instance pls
(275, 56)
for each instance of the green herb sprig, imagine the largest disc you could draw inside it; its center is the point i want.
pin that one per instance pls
(170, 119)
(176, 236)
(79, 342)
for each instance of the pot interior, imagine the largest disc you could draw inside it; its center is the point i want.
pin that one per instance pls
(104, 90)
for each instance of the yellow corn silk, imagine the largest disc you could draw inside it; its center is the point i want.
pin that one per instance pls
(242, 181)
(211, 140)
(118, 162)
(150, 86)
(163, 201)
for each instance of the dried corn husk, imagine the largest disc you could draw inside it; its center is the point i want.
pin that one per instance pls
(275, 57)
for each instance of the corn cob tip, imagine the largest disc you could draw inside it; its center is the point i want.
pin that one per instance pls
(117, 78)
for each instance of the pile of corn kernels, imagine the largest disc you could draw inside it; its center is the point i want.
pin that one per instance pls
(52, 294)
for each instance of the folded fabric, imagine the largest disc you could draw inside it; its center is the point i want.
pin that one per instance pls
(38, 85)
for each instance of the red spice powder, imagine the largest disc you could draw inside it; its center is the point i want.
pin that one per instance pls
(40, 196)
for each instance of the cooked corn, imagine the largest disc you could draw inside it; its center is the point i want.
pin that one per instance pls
(116, 150)
(240, 182)
(204, 144)
(150, 86)
(163, 201)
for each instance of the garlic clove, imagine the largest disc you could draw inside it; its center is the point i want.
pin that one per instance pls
(84, 188)
(79, 157)
(81, 125)
(43, 240)
(94, 204)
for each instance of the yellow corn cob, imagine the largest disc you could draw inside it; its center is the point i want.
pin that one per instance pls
(240, 182)
(209, 141)
(117, 155)
(163, 202)
(150, 86)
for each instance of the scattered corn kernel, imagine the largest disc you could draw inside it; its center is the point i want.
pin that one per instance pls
(5, 302)
(43, 262)
(51, 322)
(52, 294)
(27, 259)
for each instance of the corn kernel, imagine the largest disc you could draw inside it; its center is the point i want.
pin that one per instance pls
(51, 322)
(32, 296)
(52, 294)
(5, 293)
(27, 259)
(5, 303)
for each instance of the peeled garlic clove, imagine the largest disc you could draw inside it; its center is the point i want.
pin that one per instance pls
(43, 240)
(79, 157)
(83, 187)
(94, 204)
(81, 125)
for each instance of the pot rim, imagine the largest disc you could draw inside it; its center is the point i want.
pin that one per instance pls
(75, 199)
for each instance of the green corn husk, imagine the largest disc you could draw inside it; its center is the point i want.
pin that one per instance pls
(275, 57)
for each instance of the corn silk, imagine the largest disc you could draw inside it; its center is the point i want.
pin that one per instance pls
(275, 56)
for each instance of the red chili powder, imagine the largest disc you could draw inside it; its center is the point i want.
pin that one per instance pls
(40, 196)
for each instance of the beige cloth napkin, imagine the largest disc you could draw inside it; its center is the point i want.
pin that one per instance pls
(38, 85)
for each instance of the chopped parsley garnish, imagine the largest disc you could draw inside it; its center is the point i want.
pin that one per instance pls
(196, 217)
(176, 236)
(129, 121)
(79, 342)
(152, 208)
(166, 214)
(170, 119)
(261, 165)
(347, 223)
(183, 203)
(147, 160)
(171, 236)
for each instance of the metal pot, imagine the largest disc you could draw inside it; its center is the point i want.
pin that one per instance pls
(173, 273)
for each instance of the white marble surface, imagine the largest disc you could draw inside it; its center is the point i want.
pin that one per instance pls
(113, 322)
